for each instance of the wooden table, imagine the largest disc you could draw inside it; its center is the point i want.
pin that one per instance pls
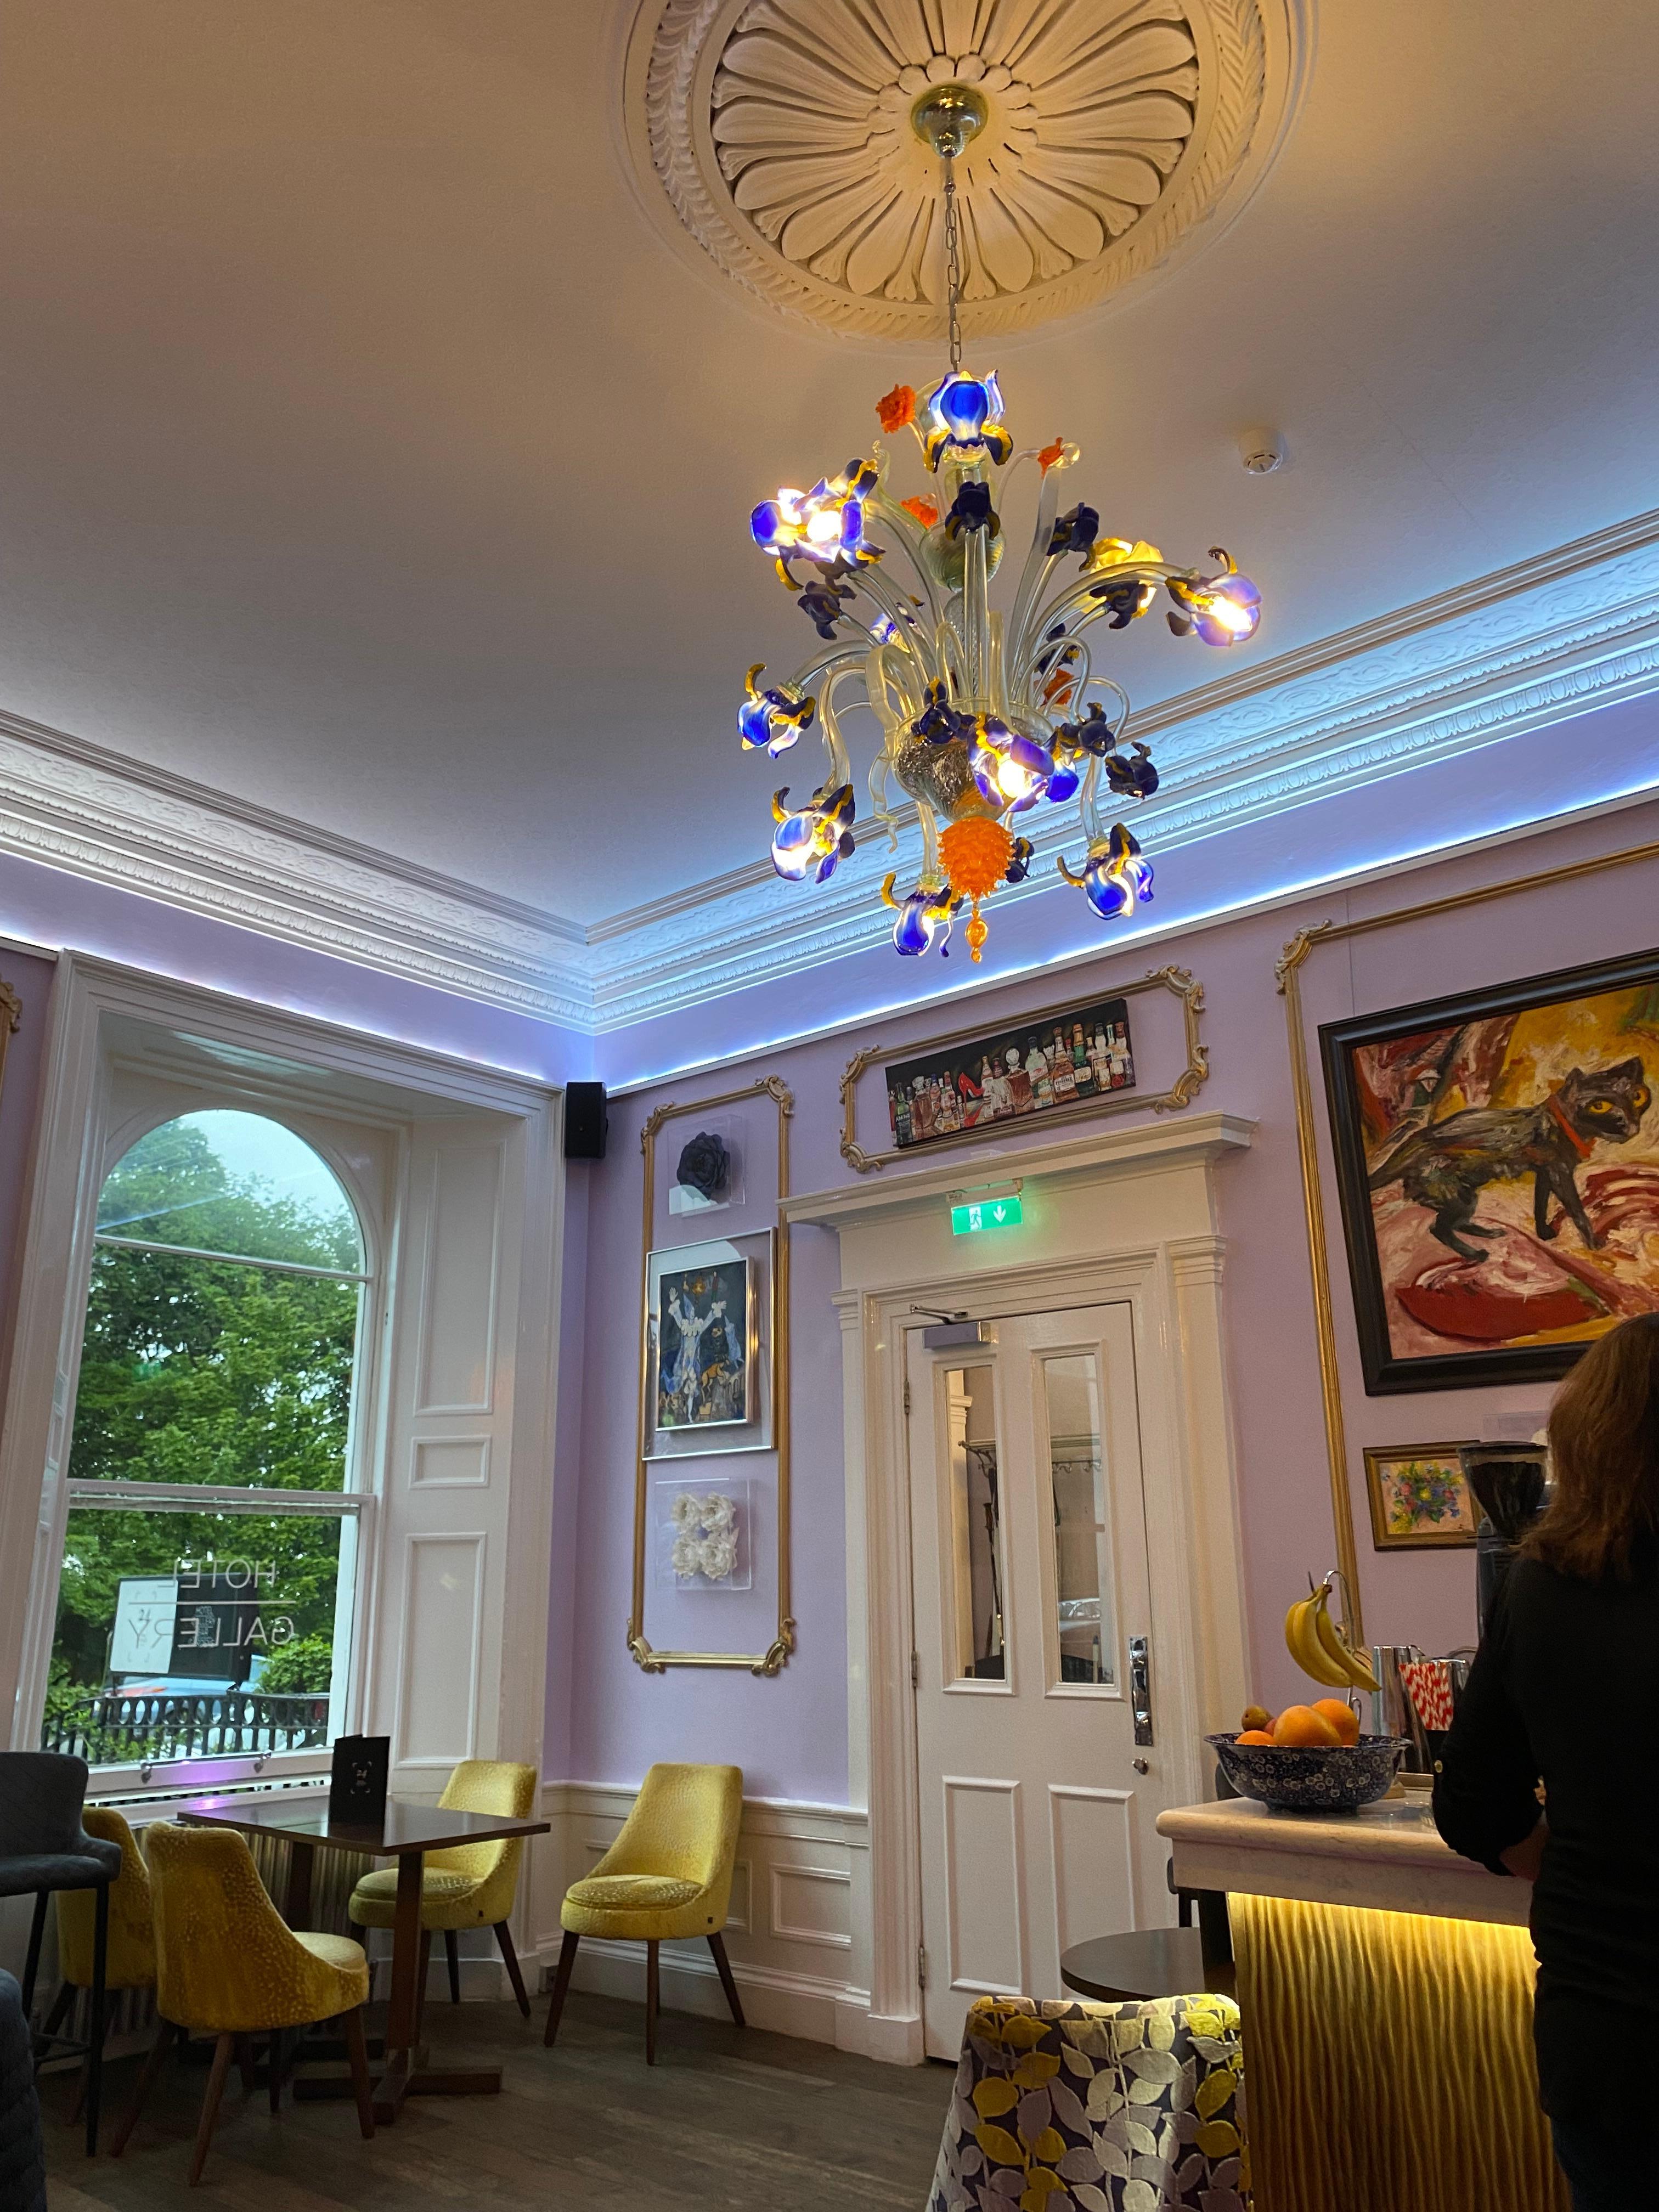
(406, 1834)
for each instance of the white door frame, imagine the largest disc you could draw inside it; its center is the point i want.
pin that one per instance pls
(1127, 1215)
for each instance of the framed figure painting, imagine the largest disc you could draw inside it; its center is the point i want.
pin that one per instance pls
(1498, 1161)
(707, 1378)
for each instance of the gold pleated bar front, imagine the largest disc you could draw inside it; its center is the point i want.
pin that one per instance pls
(1389, 2062)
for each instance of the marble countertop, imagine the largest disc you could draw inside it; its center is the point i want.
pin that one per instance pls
(1387, 1856)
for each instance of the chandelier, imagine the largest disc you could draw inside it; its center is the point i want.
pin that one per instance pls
(983, 715)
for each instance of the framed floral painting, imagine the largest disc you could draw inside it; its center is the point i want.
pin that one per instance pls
(1497, 1155)
(1419, 1497)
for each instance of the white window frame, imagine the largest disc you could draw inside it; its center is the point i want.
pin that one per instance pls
(74, 1145)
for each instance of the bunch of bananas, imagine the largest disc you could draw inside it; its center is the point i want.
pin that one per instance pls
(1318, 1646)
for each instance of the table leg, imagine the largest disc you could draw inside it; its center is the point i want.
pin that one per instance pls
(297, 1907)
(404, 2015)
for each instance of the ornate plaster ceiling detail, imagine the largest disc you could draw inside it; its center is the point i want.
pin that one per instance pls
(779, 131)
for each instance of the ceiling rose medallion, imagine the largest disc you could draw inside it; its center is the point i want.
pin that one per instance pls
(776, 135)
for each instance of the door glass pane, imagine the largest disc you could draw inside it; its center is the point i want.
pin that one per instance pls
(1083, 1556)
(979, 1573)
(191, 1634)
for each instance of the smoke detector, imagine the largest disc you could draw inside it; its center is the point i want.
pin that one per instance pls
(1261, 451)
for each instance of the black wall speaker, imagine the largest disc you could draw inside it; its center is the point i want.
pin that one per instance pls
(584, 1121)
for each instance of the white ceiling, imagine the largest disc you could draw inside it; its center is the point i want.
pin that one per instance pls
(365, 455)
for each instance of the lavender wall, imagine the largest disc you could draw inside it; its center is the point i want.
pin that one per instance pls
(789, 1733)
(20, 1099)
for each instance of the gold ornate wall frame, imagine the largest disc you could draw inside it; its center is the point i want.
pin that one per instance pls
(1287, 970)
(1179, 980)
(777, 1653)
(11, 1013)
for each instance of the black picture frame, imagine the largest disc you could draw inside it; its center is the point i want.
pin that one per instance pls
(1386, 1371)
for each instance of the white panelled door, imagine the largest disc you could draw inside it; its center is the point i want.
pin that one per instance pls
(1033, 1629)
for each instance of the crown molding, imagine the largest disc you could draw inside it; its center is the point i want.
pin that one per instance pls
(1573, 629)
(72, 804)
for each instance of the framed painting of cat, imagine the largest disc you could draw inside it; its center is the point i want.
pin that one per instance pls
(1497, 1155)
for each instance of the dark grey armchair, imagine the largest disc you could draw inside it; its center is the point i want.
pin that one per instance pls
(43, 1848)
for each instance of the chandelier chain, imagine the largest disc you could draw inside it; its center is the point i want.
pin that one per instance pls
(952, 262)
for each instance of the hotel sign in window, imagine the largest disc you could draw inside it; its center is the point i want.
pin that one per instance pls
(209, 1573)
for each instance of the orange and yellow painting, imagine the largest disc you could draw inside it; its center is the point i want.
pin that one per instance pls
(1505, 1171)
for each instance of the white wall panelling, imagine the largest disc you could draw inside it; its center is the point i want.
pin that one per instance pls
(789, 1935)
(440, 1647)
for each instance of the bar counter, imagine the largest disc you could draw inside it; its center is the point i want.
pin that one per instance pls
(1386, 1988)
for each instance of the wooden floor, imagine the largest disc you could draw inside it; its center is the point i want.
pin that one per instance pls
(727, 2117)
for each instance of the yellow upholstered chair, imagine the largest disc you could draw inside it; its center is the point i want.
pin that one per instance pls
(470, 1885)
(129, 1963)
(228, 1965)
(668, 1874)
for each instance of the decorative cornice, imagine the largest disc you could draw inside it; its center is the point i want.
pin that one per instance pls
(1538, 643)
(72, 804)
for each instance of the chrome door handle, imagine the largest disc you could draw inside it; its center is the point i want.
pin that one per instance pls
(1140, 1687)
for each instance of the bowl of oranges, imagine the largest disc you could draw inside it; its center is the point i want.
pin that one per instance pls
(1311, 1759)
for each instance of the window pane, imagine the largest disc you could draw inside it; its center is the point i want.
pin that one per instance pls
(193, 1370)
(231, 1182)
(979, 1568)
(1082, 1560)
(198, 1634)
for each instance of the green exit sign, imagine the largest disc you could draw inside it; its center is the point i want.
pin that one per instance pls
(985, 1213)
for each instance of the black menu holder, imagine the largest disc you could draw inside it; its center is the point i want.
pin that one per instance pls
(356, 1790)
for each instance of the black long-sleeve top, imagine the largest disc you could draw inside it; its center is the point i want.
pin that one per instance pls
(1566, 1689)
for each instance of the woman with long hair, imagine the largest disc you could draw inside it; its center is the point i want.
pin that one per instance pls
(1565, 1693)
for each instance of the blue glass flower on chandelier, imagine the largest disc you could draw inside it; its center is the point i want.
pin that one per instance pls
(971, 509)
(825, 524)
(809, 840)
(964, 414)
(1224, 609)
(1075, 532)
(923, 919)
(774, 718)
(1011, 770)
(1113, 874)
(939, 722)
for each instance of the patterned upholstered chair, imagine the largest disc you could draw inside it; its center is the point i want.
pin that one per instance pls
(470, 1885)
(668, 1874)
(1097, 2105)
(228, 1965)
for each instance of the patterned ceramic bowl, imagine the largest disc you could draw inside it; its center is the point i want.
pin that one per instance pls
(1338, 1777)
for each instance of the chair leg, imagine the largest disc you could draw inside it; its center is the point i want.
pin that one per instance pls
(275, 2063)
(651, 1995)
(510, 1960)
(245, 2062)
(60, 2008)
(37, 1929)
(223, 2050)
(357, 2053)
(561, 1985)
(452, 1955)
(717, 1945)
(158, 2051)
(96, 2024)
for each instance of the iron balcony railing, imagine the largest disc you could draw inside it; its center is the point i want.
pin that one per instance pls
(109, 1729)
